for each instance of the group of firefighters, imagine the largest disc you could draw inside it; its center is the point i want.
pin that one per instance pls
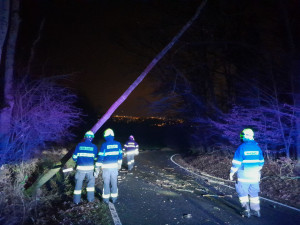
(247, 163)
(108, 162)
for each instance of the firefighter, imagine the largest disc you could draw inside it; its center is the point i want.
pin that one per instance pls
(130, 149)
(84, 156)
(110, 161)
(248, 161)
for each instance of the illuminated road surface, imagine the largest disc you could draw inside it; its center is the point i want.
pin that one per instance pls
(157, 192)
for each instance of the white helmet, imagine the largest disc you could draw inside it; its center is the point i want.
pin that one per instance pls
(131, 137)
(108, 132)
(89, 135)
(247, 134)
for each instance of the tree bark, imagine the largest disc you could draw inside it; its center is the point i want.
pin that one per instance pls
(4, 18)
(296, 74)
(33, 48)
(44, 178)
(6, 111)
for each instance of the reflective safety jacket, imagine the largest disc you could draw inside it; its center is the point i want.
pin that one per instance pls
(248, 160)
(85, 155)
(131, 148)
(110, 154)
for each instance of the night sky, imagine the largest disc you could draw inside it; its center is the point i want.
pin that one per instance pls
(104, 45)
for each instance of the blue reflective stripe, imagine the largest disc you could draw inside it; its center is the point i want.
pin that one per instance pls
(251, 153)
(90, 189)
(114, 195)
(110, 165)
(77, 192)
(131, 152)
(86, 154)
(111, 146)
(112, 153)
(86, 148)
(236, 162)
(85, 168)
(248, 180)
(98, 164)
(252, 161)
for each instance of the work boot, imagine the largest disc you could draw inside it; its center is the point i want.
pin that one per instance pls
(74, 204)
(246, 213)
(256, 213)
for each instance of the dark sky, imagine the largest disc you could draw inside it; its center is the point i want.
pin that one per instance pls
(104, 44)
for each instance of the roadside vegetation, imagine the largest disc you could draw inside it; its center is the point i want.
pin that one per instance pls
(53, 202)
(279, 177)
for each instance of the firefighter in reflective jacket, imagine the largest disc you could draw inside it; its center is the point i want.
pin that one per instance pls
(85, 155)
(131, 148)
(110, 160)
(248, 161)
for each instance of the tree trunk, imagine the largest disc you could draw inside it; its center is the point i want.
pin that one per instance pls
(44, 178)
(33, 48)
(6, 111)
(296, 73)
(4, 18)
(113, 108)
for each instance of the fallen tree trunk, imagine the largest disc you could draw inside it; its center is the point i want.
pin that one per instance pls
(48, 175)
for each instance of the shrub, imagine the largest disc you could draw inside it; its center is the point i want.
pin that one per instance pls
(44, 113)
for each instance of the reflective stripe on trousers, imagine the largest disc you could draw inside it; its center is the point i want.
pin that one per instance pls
(254, 203)
(110, 183)
(79, 177)
(130, 161)
(244, 190)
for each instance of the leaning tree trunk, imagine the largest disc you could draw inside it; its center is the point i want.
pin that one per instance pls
(6, 111)
(44, 178)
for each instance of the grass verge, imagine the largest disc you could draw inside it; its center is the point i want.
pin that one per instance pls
(279, 180)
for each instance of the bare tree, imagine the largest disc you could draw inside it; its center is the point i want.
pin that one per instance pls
(4, 18)
(274, 125)
(44, 113)
(32, 112)
(11, 39)
(294, 70)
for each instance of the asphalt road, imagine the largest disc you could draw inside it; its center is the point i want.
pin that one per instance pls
(158, 192)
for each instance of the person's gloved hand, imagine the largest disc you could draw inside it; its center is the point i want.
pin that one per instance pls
(96, 172)
(119, 166)
(231, 176)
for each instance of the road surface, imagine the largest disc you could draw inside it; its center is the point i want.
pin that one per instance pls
(158, 192)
